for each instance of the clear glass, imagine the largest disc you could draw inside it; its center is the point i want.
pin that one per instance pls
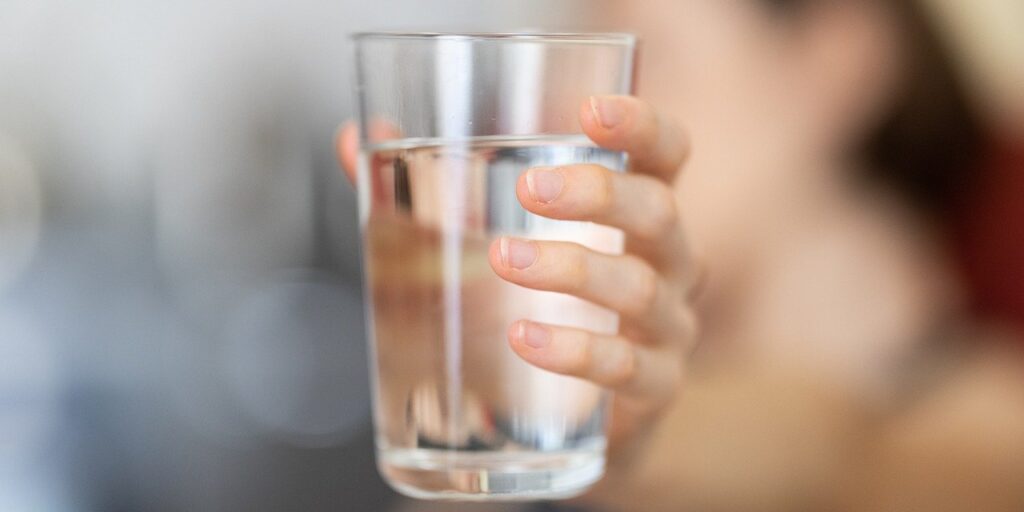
(448, 123)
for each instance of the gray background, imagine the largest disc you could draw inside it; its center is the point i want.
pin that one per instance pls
(180, 313)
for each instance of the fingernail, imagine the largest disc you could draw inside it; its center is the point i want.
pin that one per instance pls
(545, 183)
(517, 253)
(534, 335)
(608, 111)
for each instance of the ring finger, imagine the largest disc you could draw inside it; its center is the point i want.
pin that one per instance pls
(642, 206)
(626, 284)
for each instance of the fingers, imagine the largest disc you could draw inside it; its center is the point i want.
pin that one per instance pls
(624, 123)
(626, 284)
(346, 146)
(346, 142)
(643, 207)
(609, 361)
(639, 205)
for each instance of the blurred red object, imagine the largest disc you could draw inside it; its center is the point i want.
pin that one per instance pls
(992, 238)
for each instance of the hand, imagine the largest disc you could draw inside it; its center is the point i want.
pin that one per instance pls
(649, 285)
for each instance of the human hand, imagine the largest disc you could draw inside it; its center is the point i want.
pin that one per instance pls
(649, 286)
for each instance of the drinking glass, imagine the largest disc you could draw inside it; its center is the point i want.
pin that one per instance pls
(448, 122)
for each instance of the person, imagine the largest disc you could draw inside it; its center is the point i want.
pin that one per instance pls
(801, 220)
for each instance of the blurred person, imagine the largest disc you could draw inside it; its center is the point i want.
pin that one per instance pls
(828, 154)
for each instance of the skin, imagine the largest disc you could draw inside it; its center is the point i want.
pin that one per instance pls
(648, 286)
(816, 294)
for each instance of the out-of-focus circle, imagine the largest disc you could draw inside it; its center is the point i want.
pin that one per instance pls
(295, 359)
(198, 391)
(20, 210)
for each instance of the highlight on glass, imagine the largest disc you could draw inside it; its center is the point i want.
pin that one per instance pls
(448, 123)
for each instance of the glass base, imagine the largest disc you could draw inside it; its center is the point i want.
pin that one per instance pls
(490, 476)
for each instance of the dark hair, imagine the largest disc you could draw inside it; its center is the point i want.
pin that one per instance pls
(929, 145)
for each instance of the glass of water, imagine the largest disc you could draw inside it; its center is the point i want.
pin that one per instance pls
(448, 123)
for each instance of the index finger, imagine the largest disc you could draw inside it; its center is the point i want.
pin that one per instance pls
(655, 145)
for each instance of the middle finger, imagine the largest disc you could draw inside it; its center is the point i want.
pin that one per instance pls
(623, 283)
(643, 207)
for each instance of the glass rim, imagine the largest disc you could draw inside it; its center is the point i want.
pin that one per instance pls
(596, 38)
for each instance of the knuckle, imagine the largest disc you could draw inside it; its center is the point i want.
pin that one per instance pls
(679, 142)
(671, 376)
(635, 108)
(687, 328)
(639, 133)
(646, 135)
(595, 194)
(621, 367)
(604, 191)
(582, 364)
(645, 295)
(577, 270)
(664, 214)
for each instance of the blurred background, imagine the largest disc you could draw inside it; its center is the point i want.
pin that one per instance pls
(180, 298)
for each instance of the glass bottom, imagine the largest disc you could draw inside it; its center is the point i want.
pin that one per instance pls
(490, 476)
